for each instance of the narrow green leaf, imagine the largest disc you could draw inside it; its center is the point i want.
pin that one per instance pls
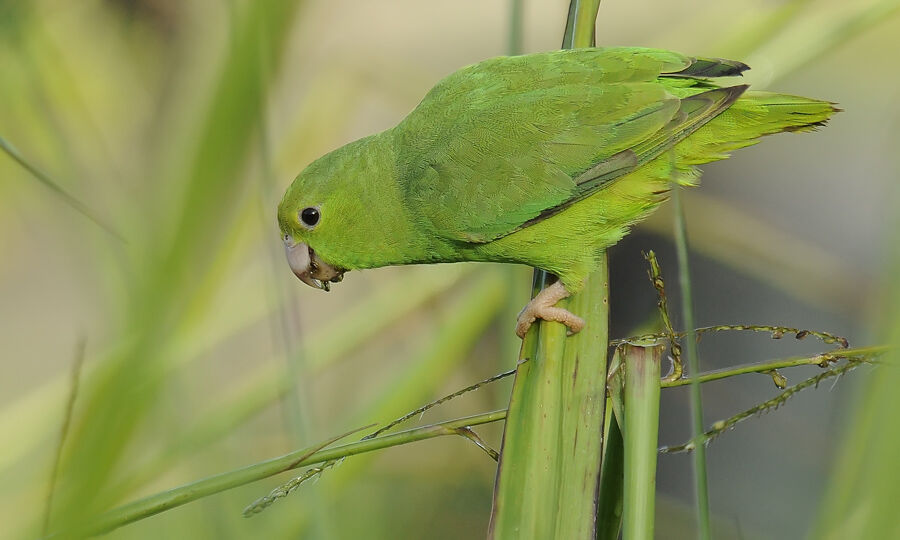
(173, 498)
(75, 203)
(612, 480)
(701, 489)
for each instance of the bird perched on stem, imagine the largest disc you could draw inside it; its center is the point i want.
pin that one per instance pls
(544, 159)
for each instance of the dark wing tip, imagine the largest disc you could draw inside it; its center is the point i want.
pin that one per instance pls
(717, 98)
(711, 67)
(735, 92)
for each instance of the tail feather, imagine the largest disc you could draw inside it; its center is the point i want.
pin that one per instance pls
(752, 116)
(783, 112)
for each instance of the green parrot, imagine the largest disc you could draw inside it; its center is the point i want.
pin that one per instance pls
(543, 159)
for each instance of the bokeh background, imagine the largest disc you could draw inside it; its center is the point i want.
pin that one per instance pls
(179, 124)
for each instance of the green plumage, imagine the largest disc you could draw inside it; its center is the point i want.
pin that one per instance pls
(544, 159)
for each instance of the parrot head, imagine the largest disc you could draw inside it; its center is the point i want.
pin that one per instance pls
(310, 215)
(331, 214)
(303, 259)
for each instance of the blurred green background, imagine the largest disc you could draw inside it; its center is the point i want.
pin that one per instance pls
(181, 123)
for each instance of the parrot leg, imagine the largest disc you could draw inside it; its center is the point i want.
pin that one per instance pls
(542, 307)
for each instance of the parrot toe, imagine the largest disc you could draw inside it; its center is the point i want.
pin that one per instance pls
(542, 307)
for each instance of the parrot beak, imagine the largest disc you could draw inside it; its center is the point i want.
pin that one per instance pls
(307, 266)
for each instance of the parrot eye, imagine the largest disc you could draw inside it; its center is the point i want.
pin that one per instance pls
(309, 217)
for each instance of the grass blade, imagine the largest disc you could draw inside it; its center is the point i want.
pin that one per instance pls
(53, 186)
(701, 488)
(516, 16)
(173, 498)
(612, 480)
(74, 379)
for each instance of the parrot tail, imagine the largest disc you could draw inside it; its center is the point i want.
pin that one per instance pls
(753, 115)
(766, 112)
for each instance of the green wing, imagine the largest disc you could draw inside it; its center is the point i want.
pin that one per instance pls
(507, 142)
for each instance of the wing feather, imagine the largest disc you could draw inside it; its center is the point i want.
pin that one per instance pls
(508, 142)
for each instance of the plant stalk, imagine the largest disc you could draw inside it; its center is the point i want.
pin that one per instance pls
(549, 470)
(701, 488)
(548, 475)
(178, 496)
(642, 373)
(762, 367)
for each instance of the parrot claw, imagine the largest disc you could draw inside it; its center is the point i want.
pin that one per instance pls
(542, 307)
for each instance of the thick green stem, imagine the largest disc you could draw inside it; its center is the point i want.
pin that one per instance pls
(549, 470)
(581, 24)
(640, 431)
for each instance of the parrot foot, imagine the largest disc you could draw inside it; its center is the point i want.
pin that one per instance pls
(542, 307)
